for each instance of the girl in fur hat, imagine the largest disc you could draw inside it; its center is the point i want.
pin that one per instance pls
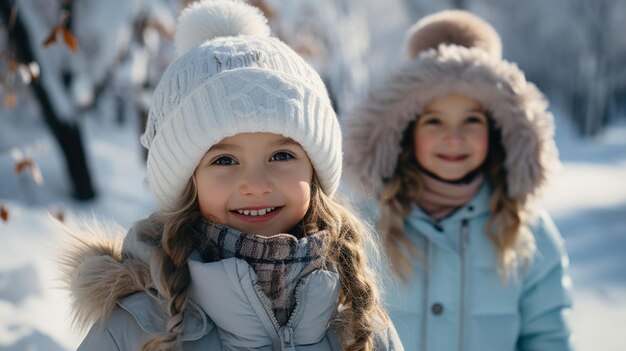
(456, 145)
(249, 250)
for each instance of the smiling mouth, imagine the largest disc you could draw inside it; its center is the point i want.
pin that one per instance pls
(453, 158)
(257, 215)
(257, 212)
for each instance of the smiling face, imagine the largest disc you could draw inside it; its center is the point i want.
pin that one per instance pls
(451, 136)
(258, 183)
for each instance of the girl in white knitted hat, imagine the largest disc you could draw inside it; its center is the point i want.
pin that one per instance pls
(249, 250)
(456, 145)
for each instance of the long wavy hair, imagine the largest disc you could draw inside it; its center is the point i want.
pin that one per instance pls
(506, 227)
(361, 313)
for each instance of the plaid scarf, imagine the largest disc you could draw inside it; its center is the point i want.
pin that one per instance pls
(280, 261)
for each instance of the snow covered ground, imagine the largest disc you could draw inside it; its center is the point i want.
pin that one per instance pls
(34, 312)
(588, 202)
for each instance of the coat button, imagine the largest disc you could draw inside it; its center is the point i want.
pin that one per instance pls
(470, 208)
(437, 309)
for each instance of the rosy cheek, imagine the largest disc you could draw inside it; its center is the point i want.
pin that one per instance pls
(423, 146)
(421, 156)
(484, 140)
(482, 147)
(205, 209)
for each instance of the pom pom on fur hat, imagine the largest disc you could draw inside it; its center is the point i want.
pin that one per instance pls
(453, 27)
(209, 19)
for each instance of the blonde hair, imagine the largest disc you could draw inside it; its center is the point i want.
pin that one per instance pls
(506, 227)
(361, 312)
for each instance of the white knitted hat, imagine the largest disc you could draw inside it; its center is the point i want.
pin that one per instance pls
(231, 77)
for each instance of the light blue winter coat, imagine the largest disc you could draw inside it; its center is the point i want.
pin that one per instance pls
(456, 299)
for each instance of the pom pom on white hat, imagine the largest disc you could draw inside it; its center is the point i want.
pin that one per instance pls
(232, 77)
(209, 19)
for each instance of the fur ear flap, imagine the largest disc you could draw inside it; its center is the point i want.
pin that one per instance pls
(95, 272)
(453, 27)
(209, 19)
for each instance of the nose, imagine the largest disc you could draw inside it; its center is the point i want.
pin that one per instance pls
(256, 182)
(454, 136)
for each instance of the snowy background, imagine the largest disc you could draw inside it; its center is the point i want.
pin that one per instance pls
(587, 201)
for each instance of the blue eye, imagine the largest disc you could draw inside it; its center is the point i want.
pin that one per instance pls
(281, 156)
(224, 161)
(475, 119)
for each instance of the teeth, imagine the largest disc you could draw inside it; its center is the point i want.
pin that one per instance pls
(260, 212)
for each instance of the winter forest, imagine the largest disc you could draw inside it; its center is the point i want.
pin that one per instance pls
(76, 78)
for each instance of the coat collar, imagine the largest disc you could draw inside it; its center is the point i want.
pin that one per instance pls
(227, 292)
(444, 233)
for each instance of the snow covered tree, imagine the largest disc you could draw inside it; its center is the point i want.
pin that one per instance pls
(66, 132)
(602, 74)
(332, 35)
(107, 66)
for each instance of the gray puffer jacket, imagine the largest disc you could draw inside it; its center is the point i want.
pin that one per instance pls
(227, 309)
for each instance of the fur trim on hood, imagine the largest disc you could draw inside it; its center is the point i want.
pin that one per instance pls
(97, 274)
(373, 130)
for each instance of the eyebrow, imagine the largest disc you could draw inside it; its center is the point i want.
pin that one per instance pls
(230, 147)
(439, 111)
(286, 142)
(222, 147)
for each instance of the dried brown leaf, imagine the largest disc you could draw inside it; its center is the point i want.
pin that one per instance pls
(52, 37)
(4, 214)
(70, 39)
(22, 165)
(10, 100)
(58, 214)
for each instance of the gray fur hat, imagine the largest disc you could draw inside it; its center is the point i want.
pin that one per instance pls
(452, 52)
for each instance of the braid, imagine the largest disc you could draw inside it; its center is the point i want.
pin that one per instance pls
(358, 290)
(177, 242)
(362, 311)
